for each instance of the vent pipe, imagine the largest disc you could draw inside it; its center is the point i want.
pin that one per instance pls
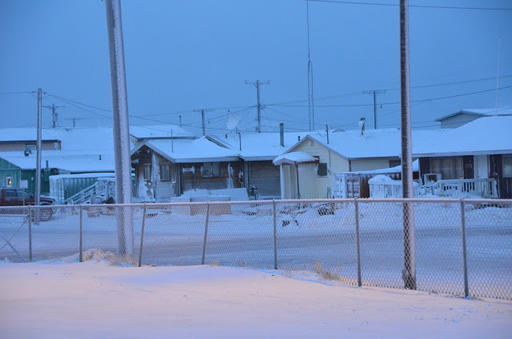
(362, 123)
(281, 134)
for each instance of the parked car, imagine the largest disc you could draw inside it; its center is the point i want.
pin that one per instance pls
(19, 197)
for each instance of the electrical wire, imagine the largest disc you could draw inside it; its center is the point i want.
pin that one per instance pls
(366, 3)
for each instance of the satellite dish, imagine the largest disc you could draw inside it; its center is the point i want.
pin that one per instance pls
(233, 121)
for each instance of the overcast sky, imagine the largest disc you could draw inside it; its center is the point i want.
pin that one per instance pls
(186, 55)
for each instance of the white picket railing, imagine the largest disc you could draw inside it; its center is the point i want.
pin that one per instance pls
(451, 188)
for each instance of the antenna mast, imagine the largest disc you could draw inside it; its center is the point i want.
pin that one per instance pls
(311, 99)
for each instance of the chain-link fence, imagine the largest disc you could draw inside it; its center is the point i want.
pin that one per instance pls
(458, 247)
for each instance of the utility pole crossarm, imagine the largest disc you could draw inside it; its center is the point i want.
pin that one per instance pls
(55, 115)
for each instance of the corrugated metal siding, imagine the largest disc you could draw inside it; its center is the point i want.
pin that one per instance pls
(265, 176)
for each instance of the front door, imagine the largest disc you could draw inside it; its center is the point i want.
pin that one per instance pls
(502, 174)
(469, 171)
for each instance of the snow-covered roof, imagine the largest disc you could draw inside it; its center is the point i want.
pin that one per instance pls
(159, 131)
(189, 150)
(260, 146)
(489, 135)
(81, 148)
(374, 143)
(74, 162)
(293, 158)
(481, 112)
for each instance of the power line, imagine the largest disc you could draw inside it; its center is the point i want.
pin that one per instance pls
(361, 92)
(398, 102)
(366, 3)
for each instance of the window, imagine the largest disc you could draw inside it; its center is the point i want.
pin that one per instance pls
(448, 167)
(322, 169)
(165, 172)
(507, 165)
(210, 170)
(147, 172)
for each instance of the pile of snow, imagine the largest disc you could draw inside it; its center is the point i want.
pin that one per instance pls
(226, 194)
(97, 255)
(383, 179)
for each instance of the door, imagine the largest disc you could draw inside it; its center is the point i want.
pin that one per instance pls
(469, 170)
(503, 178)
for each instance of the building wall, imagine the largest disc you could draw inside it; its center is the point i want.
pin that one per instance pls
(8, 170)
(16, 146)
(458, 120)
(370, 164)
(228, 177)
(335, 164)
(289, 182)
(316, 186)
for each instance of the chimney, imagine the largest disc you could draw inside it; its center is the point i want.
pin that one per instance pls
(281, 134)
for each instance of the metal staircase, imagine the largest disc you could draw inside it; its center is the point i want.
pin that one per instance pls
(97, 193)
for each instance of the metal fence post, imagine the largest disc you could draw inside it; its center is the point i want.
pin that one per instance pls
(142, 235)
(464, 252)
(275, 233)
(29, 234)
(205, 233)
(81, 258)
(358, 243)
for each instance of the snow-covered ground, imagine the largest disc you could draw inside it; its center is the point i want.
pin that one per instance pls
(96, 299)
(305, 238)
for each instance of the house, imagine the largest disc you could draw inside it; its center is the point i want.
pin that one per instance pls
(465, 116)
(166, 168)
(65, 151)
(478, 151)
(256, 151)
(338, 152)
(213, 162)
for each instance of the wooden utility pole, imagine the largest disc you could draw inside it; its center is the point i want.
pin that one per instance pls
(257, 84)
(120, 127)
(203, 119)
(375, 92)
(409, 271)
(38, 150)
(311, 97)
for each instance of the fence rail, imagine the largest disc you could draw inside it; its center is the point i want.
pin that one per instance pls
(461, 247)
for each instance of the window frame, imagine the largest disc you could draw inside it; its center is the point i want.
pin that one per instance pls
(212, 167)
(146, 171)
(168, 177)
